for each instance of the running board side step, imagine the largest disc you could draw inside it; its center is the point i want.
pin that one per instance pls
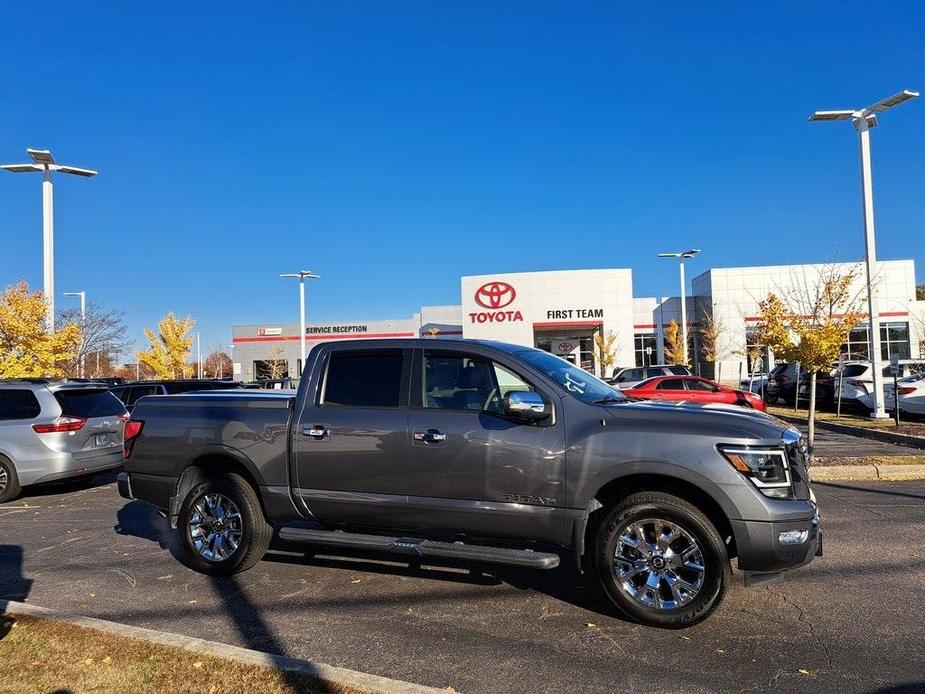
(526, 558)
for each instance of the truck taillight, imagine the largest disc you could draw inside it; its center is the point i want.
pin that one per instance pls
(132, 429)
(62, 423)
(906, 390)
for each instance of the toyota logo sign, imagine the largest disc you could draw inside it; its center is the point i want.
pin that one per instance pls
(495, 295)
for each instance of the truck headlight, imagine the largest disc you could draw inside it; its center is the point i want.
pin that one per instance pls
(767, 468)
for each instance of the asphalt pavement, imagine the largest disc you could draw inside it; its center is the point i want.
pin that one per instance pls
(832, 444)
(851, 621)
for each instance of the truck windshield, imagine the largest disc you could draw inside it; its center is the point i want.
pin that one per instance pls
(578, 382)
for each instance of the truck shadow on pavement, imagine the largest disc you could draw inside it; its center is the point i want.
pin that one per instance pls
(13, 584)
(138, 519)
(564, 583)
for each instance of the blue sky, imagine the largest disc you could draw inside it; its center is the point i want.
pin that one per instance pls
(394, 146)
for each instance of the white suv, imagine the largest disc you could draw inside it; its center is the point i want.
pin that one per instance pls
(857, 379)
(630, 376)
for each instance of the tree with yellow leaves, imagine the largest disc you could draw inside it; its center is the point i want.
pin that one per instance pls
(170, 348)
(810, 325)
(606, 350)
(674, 344)
(26, 349)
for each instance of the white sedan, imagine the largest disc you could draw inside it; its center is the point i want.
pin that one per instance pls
(911, 394)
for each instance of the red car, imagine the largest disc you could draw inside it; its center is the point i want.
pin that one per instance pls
(693, 389)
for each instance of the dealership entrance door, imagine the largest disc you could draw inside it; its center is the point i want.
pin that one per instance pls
(571, 341)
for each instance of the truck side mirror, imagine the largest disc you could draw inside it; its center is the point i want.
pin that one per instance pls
(526, 405)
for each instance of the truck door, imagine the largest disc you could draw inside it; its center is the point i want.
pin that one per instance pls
(349, 434)
(469, 468)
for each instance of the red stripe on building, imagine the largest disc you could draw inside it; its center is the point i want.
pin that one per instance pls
(321, 336)
(570, 324)
(882, 314)
(646, 326)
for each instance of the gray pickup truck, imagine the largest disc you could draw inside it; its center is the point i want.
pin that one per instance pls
(483, 452)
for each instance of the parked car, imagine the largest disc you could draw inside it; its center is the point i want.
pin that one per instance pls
(693, 389)
(756, 383)
(130, 393)
(857, 380)
(286, 383)
(825, 389)
(628, 377)
(911, 394)
(483, 452)
(52, 430)
(783, 385)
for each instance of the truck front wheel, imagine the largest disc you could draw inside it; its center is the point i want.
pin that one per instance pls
(222, 526)
(661, 561)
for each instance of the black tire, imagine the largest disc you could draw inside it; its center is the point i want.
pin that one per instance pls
(9, 479)
(255, 531)
(716, 575)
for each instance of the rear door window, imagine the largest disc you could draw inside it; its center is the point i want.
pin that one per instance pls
(18, 404)
(679, 370)
(89, 403)
(364, 379)
(670, 384)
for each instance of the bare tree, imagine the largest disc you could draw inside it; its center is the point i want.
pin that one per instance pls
(217, 364)
(104, 339)
(277, 365)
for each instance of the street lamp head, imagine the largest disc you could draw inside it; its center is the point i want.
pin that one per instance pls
(41, 156)
(867, 113)
(683, 255)
(87, 173)
(302, 275)
(892, 101)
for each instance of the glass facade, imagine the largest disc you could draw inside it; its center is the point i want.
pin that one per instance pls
(894, 339)
(757, 356)
(646, 348)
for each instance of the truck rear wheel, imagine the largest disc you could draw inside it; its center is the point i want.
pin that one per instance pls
(661, 561)
(222, 526)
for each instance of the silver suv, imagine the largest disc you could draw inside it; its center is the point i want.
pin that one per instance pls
(52, 430)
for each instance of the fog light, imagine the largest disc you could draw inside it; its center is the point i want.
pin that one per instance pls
(793, 537)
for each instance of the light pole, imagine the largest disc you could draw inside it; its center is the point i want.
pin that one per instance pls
(44, 163)
(682, 256)
(198, 358)
(864, 119)
(83, 327)
(302, 275)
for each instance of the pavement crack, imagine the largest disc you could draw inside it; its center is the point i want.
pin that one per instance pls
(801, 617)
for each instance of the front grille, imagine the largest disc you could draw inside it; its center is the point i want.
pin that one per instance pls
(799, 469)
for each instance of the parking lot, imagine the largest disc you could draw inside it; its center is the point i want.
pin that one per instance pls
(851, 621)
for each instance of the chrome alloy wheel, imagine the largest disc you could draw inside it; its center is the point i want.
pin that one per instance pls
(215, 527)
(658, 564)
(4, 479)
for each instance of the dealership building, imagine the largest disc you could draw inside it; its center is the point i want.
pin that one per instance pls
(563, 311)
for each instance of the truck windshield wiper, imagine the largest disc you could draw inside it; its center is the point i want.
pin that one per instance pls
(609, 398)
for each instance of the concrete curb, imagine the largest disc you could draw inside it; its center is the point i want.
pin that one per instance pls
(847, 473)
(373, 684)
(876, 434)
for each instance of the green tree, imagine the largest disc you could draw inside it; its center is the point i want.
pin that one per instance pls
(169, 353)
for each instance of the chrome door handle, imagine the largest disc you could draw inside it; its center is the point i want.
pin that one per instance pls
(316, 432)
(430, 436)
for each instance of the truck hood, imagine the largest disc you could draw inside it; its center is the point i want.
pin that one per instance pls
(726, 420)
